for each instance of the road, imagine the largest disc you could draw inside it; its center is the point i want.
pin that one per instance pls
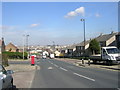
(59, 74)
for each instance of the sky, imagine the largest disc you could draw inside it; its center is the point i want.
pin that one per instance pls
(46, 22)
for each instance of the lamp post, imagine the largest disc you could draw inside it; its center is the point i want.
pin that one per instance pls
(23, 47)
(27, 47)
(53, 46)
(27, 42)
(83, 20)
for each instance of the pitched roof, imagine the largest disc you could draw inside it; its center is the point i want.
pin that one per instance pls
(99, 38)
(82, 43)
(11, 45)
(118, 33)
(72, 46)
(105, 37)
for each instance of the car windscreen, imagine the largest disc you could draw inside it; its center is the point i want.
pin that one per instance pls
(113, 51)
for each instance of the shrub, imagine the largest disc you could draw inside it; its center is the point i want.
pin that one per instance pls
(15, 55)
(94, 46)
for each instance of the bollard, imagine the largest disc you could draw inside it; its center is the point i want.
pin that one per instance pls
(89, 62)
(82, 61)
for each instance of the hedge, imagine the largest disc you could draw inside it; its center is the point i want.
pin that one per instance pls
(16, 55)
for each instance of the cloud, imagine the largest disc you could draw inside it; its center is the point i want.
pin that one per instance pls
(34, 25)
(70, 14)
(76, 12)
(80, 10)
(97, 15)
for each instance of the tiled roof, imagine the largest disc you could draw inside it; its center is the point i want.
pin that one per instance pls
(105, 37)
(82, 43)
(10, 44)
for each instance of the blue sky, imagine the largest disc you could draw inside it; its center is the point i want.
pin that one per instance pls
(46, 22)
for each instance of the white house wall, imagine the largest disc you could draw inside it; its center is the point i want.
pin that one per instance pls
(112, 39)
(87, 46)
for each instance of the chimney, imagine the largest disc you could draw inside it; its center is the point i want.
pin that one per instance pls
(112, 32)
(101, 34)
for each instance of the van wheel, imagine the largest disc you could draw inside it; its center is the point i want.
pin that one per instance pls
(94, 62)
(109, 62)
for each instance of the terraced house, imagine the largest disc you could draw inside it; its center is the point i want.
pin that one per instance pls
(112, 39)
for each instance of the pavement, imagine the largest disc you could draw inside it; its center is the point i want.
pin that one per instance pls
(23, 73)
(58, 74)
(100, 65)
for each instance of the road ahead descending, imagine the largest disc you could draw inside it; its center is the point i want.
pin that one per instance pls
(59, 74)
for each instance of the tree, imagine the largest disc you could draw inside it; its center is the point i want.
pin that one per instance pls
(94, 46)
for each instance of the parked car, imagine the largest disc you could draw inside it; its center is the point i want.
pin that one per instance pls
(6, 79)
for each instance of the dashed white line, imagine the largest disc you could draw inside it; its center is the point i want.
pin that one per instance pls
(55, 65)
(63, 69)
(84, 76)
(51, 63)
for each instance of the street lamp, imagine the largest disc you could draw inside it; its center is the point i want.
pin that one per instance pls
(53, 46)
(27, 42)
(83, 20)
(27, 47)
(23, 46)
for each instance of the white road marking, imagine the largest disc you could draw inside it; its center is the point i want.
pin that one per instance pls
(55, 65)
(51, 63)
(63, 69)
(84, 76)
(118, 88)
(50, 68)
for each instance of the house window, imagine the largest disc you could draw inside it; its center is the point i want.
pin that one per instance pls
(81, 47)
(101, 44)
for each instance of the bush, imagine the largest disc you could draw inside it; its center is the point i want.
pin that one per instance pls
(94, 46)
(15, 55)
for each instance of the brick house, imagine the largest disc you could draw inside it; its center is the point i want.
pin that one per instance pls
(11, 48)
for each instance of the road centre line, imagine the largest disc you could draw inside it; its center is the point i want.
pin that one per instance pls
(84, 76)
(55, 65)
(63, 69)
(51, 63)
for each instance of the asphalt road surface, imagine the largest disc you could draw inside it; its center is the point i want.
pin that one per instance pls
(59, 74)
